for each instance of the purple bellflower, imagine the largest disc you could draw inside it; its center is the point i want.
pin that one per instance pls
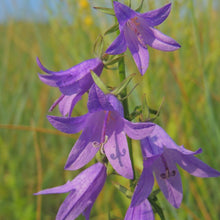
(161, 154)
(73, 83)
(141, 211)
(103, 128)
(137, 31)
(83, 191)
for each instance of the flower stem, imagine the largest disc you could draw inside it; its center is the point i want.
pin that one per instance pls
(122, 76)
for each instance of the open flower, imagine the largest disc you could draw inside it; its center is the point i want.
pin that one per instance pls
(73, 83)
(136, 32)
(104, 129)
(83, 191)
(161, 155)
(140, 211)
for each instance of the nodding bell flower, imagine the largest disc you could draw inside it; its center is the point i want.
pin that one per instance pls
(73, 83)
(161, 154)
(83, 191)
(103, 128)
(137, 31)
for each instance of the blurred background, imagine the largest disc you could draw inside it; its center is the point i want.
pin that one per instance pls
(62, 33)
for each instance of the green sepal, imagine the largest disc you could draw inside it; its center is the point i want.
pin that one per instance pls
(99, 82)
(138, 9)
(108, 11)
(136, 112)
(98, 46)
(113, 61)
(155, 204)
(145, 109)
(123, 85)
(110, 169)
(112, 29)
(123, 189)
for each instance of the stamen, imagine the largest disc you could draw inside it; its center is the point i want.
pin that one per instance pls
(100, 145)
(133, 25)
(167, 173)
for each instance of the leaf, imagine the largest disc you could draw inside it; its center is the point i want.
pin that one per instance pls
(138, 9)
(113, 61)
(145, 109)
(98, 46)
(112, 29)
(155, 204)
(124, 190)
(99, 82)
(108, 11)
(123, 85)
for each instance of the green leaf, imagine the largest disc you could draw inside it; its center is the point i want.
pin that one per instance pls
(155, 204)
(137, 111)
(99, 82)
(145, 109)
(108, 11)
(123, 85)
(112, 29)
(123, 189)
(98, 46)
(138, 9)
(113, 61)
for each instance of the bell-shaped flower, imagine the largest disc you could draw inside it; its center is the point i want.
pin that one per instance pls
(137, 31)
(73, 83)
(83, 191)
(103, 128)
(161, 154)
(141, 211)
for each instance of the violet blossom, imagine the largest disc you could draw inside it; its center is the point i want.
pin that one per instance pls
(103, 128)
(73, 83)
(137, 31)
(83, 191)
(161, 154)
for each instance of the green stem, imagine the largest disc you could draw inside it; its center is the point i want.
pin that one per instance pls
(122, 76)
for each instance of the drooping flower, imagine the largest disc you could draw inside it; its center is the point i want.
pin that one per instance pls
(137, 31)
(141, 211)
(83, 191)
(161, 154)
(73, 83)
(104, 129)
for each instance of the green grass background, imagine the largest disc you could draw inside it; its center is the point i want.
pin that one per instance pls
(33, 153)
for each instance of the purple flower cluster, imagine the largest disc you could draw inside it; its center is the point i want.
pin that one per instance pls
(104, 127)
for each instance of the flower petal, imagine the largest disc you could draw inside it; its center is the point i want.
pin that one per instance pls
(170, 186)
(85, 177)
(138, 51)
(123, 12)
(68, 125)
(116, 150)
(118, 46)
(67, 187)
(42, 67)
(116, 104)
(157, 39)
(98, 100)
(84, 149)
(139, 130)
(196, 167)
(50, 80)
(67, 104)
(156, 17)
(145, 183)
(142, 211)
